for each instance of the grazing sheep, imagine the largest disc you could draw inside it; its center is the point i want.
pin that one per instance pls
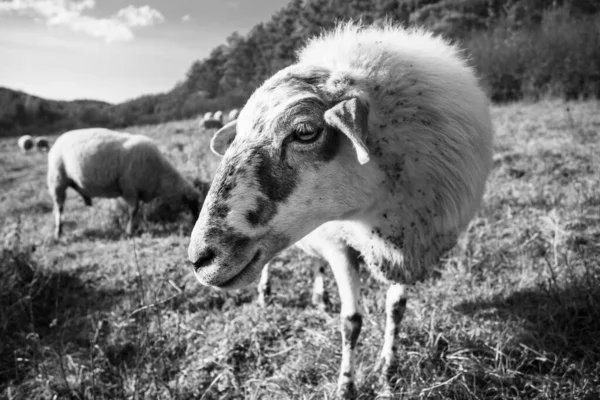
(42, 143)
(381, 138)
(98, 162)
(233, 114)
(218, 116)
(208, 122)
(26, 143)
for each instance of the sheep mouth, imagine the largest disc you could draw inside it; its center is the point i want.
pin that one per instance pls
(246, 275)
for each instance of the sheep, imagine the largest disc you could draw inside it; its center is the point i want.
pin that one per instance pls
(233, 114)
(98, 162)
(212, 121)
(42, 143)
(218, 116)
(25, 143)
(209, 122)
(377, 142)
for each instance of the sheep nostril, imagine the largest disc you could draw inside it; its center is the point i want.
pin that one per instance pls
(204, 258)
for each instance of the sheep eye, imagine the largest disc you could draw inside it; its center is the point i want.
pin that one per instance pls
(306, 134)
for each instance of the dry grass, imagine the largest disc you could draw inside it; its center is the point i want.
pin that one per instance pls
(514, 312)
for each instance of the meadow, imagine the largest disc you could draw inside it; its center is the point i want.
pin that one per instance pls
(513, 311)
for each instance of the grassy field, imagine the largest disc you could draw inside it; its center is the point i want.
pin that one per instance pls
(514, 312)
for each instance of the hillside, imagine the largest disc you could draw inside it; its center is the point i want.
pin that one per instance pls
(520, 48)
(21, 113)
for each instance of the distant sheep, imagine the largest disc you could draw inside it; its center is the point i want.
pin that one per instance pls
(377, 142)
(233, 114)
(218, 115)
(42, 143)
(212, 121)
(99, 162)
(26, 143)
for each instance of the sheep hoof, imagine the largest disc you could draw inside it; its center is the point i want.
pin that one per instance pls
(347, 391)
(262, 303)
(320, 302)
(262, 300)
(264, 291)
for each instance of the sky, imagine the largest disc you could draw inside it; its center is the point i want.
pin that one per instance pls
(114, 50)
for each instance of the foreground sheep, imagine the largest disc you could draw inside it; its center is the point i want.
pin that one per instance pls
(42, 143)
(98, 162)
(376, 142)
(26, 143)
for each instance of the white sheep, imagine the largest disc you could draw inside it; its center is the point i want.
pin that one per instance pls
(98, 162)
(42, 143)
(218, 116)
(25, 143)
(377, 140)
(208, 115)
(233, 114)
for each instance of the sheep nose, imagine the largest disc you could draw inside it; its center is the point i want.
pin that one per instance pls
(202, 258)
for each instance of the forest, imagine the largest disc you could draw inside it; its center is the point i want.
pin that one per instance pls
(521, 49)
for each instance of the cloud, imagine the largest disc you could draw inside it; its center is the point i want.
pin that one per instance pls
(140, 16)
(186, 18)
(70, 14)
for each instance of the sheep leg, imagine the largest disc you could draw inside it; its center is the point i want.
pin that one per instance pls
(264, 286)
(58, 198)
(319, 295)
(345, 270)
(133, 209)
(87, 200)
(395, 305)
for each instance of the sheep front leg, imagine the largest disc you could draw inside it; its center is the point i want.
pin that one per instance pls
(133, 209)
(319, 295)
(58, 195)
(264, 287)
(395, 305)
(58, 208)
(345, 270)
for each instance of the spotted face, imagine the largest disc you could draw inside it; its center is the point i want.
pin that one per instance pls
(290, 163)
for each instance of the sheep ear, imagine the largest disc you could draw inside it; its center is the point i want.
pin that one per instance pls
(222, 138)
(351, 117)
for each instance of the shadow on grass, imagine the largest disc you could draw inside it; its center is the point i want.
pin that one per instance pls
(565, 323)
(91, 234)
(42, 311)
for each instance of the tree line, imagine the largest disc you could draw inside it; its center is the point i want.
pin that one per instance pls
(520, 49)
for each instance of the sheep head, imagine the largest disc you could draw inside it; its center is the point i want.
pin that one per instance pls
(294, 159)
